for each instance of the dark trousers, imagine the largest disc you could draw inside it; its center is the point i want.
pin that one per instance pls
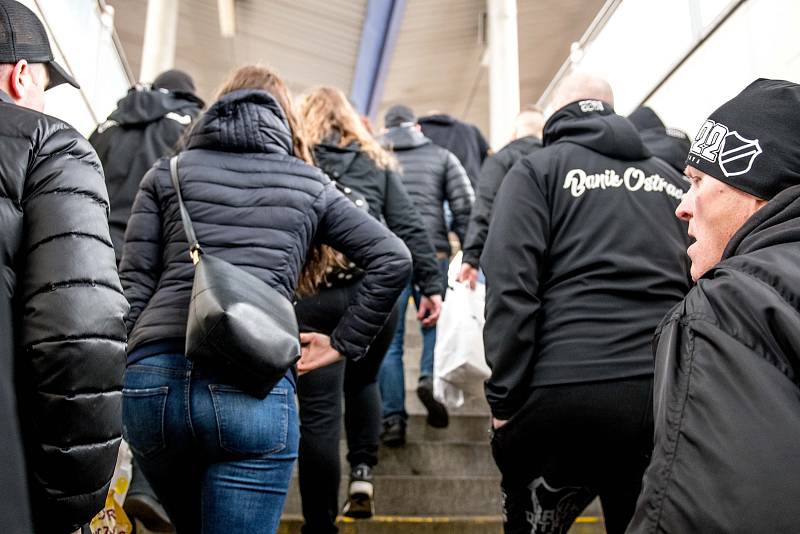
(570, 444)
(320, 395)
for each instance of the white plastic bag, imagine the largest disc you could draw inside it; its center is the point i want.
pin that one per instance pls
(459, 364)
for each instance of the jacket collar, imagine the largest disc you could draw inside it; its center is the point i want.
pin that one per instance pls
(403, 138)
(4, 97)
(777, 223)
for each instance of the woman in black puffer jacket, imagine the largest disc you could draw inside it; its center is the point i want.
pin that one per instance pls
(345, 150)
(221, 460)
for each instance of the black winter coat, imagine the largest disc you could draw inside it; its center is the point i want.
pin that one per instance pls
(727, 390)
(61, 297)
(256, 206)
(145, 126)
(583, 258)
(387, 201)
(493, 171)
(462, 139)
(432, 175)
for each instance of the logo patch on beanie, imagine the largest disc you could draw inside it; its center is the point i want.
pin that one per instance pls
(735, 153)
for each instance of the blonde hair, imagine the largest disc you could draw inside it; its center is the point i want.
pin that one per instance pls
(320, 257)
(326, 110)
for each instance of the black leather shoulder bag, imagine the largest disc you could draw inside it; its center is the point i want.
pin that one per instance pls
(239, 325)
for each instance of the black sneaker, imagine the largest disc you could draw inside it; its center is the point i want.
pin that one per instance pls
(360, 504)
(394, 432)
(437, 412)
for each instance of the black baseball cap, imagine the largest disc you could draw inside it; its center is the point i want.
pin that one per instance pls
(399, 115)
(22, 36)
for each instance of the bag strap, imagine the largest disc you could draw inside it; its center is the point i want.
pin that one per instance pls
(195, 250)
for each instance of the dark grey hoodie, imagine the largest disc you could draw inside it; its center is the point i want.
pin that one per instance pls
(583, 258)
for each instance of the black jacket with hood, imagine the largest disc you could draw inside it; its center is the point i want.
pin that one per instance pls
(256, 206)
(727, 390)
(493, 171)
(462, 139)
(583, 258)
(145, 126)
(669, 144)
(61, 297)
(387, 200)
(432, 175)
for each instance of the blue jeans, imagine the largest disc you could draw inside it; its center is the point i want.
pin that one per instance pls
(392, 376)
(218, 459)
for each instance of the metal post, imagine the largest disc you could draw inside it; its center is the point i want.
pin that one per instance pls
(503, 70)
(161, 27)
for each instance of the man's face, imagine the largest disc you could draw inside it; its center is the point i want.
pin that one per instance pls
(714, 211)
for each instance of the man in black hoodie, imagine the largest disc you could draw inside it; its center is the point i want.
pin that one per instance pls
(145, 126)
(461, 138)
(727, 358)
(583, 258)
(527, 139)
(669, 144)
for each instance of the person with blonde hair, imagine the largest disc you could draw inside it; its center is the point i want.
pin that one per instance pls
(365, 172)
(220, 459)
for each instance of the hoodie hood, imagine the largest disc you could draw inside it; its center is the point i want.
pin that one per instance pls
(439, 118)
(336, 160)
(670, 145)
(403, 138)
(247, 120)
(142, 106)
(594, 125)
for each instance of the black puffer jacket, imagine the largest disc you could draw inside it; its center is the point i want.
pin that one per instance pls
(493, 171)
(258, 207)
(145, 126)
(727, 390)
(58, 275)
(583, 258)
(464, 140)
(432, 175)
(387, 201)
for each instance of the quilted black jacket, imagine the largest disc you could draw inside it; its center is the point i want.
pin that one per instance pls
(432, 175)
(258, 207)
(63, 301)
(388, 201)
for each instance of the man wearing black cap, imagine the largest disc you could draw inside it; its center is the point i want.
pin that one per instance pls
(62, 335)
(146, 125)
(432, 175)
(727, 379)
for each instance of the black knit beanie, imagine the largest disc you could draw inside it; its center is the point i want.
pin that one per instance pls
(752, 142)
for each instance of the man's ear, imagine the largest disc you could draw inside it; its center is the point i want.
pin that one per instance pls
(19, 79)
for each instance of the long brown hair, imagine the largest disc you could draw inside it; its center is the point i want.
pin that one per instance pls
(326, 110)
(319, 257)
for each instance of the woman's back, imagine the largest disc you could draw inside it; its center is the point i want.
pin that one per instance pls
(253, 204)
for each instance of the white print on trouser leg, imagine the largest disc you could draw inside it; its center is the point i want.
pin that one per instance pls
(555, 509)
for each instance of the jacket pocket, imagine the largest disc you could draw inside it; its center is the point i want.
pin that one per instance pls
(143, 412)
(251, 426)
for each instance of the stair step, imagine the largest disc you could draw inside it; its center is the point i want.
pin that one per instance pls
(462, 427)
(442, 459)
(424, 495)
(291, 524)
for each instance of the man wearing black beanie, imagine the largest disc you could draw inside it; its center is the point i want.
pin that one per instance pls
(727, 358)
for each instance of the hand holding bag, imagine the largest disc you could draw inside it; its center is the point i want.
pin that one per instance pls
(239, 325)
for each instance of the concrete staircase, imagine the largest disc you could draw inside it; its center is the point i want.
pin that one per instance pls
(442, 481)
